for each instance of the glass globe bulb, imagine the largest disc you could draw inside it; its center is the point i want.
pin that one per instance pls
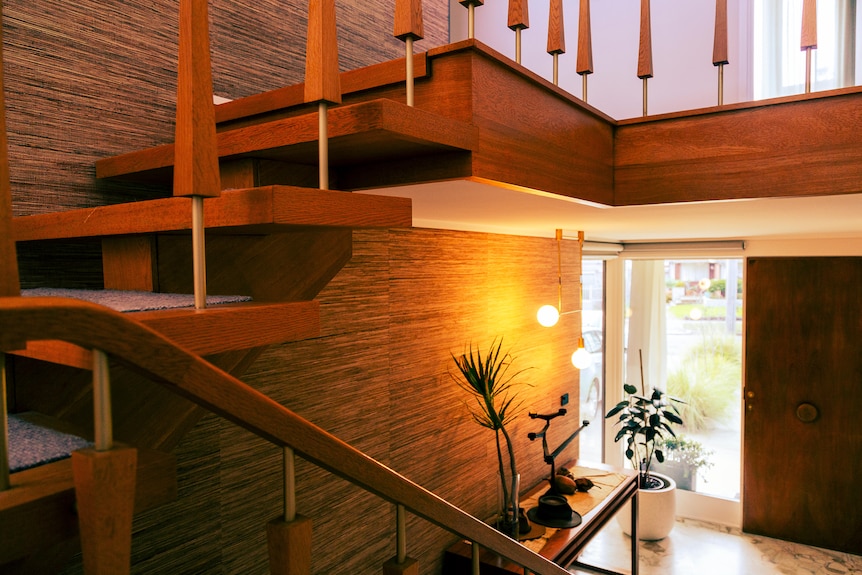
(582, 358)
(696, 313)
(548, 315)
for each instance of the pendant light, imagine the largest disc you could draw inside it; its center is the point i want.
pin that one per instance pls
(548, 315)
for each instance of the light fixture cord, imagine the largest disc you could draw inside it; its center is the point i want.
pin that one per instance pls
(559, 271)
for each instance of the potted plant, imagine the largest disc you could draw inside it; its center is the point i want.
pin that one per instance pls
(645, 420)
(495, 404)
(683, 457)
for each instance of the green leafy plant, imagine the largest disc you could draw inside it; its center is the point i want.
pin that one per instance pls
(707, 381)
(683, 457)
(495, 404)
(644, 421)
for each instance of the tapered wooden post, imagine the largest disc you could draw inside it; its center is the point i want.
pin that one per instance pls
(809, 37)
(719, 46)
(408, 27)
(289, 537)
(585, 45)
(322, 79)
(519, 19)
(196, 171)
(556, 36)
(645, 50)
(9, 283)
(104, 478)
(471, 15)
(289, 546)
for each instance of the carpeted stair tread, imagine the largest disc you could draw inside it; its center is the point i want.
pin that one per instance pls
(31, 445)
(129, 301)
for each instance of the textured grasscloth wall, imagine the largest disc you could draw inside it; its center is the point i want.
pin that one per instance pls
(378, 379)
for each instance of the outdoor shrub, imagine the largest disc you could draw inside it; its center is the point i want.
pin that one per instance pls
(708, 381)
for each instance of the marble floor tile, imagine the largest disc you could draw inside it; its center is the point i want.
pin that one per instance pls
(697, 548)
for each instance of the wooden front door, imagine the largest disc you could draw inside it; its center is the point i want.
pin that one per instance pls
(802, 476)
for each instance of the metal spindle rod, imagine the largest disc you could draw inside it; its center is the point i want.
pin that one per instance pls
(518, 45)
(289, 485)
(556, 69)
(408, 43)
(584, 88)
(471, 21)
(401, 533)
(4, 428)
(199, 260)
(721, 84)
(103, 429)
(645, 96)
(323, 145)
(808, 70)
(475, 557)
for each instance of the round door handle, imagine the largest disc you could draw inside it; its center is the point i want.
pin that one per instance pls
(807, 412)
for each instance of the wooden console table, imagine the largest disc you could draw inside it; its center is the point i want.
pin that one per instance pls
(562, 546)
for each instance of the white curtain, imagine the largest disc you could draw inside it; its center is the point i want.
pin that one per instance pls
(647, 334)
(779, 63)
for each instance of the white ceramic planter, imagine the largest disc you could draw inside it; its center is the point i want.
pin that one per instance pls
(656, 512)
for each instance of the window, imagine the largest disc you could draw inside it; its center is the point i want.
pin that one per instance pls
(779, 63)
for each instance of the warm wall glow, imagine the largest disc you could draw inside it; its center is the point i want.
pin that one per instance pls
(548, 315)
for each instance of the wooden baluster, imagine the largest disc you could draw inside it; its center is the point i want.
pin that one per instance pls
(471, 15)
(408, 27)
(401, 564)
(585, 45)
(556, 36)
(645, 50)
(289, 537)
(322, 80)
(809, 37)
(719, 46)
(104, 479)
(196, 170)
(518, 20)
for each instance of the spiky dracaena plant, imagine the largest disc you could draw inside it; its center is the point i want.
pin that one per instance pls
(496, 404)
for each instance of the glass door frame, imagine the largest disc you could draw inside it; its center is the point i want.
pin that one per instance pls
(689, 504)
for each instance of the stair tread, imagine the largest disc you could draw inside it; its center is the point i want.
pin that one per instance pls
(261, 210)
(217, 329)
(368, 131)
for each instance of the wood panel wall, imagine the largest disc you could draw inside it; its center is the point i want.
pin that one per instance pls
(378, 378)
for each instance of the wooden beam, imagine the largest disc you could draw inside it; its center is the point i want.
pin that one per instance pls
(322, 80)
(196, 157)
(585, 40)
(748, 151)
(556, 29)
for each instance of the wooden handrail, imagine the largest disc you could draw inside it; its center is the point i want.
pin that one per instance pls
(145, 350)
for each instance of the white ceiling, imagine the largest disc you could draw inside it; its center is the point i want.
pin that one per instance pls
(472, 206)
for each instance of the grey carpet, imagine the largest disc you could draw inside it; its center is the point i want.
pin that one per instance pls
(31, 445)
(125, 301)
